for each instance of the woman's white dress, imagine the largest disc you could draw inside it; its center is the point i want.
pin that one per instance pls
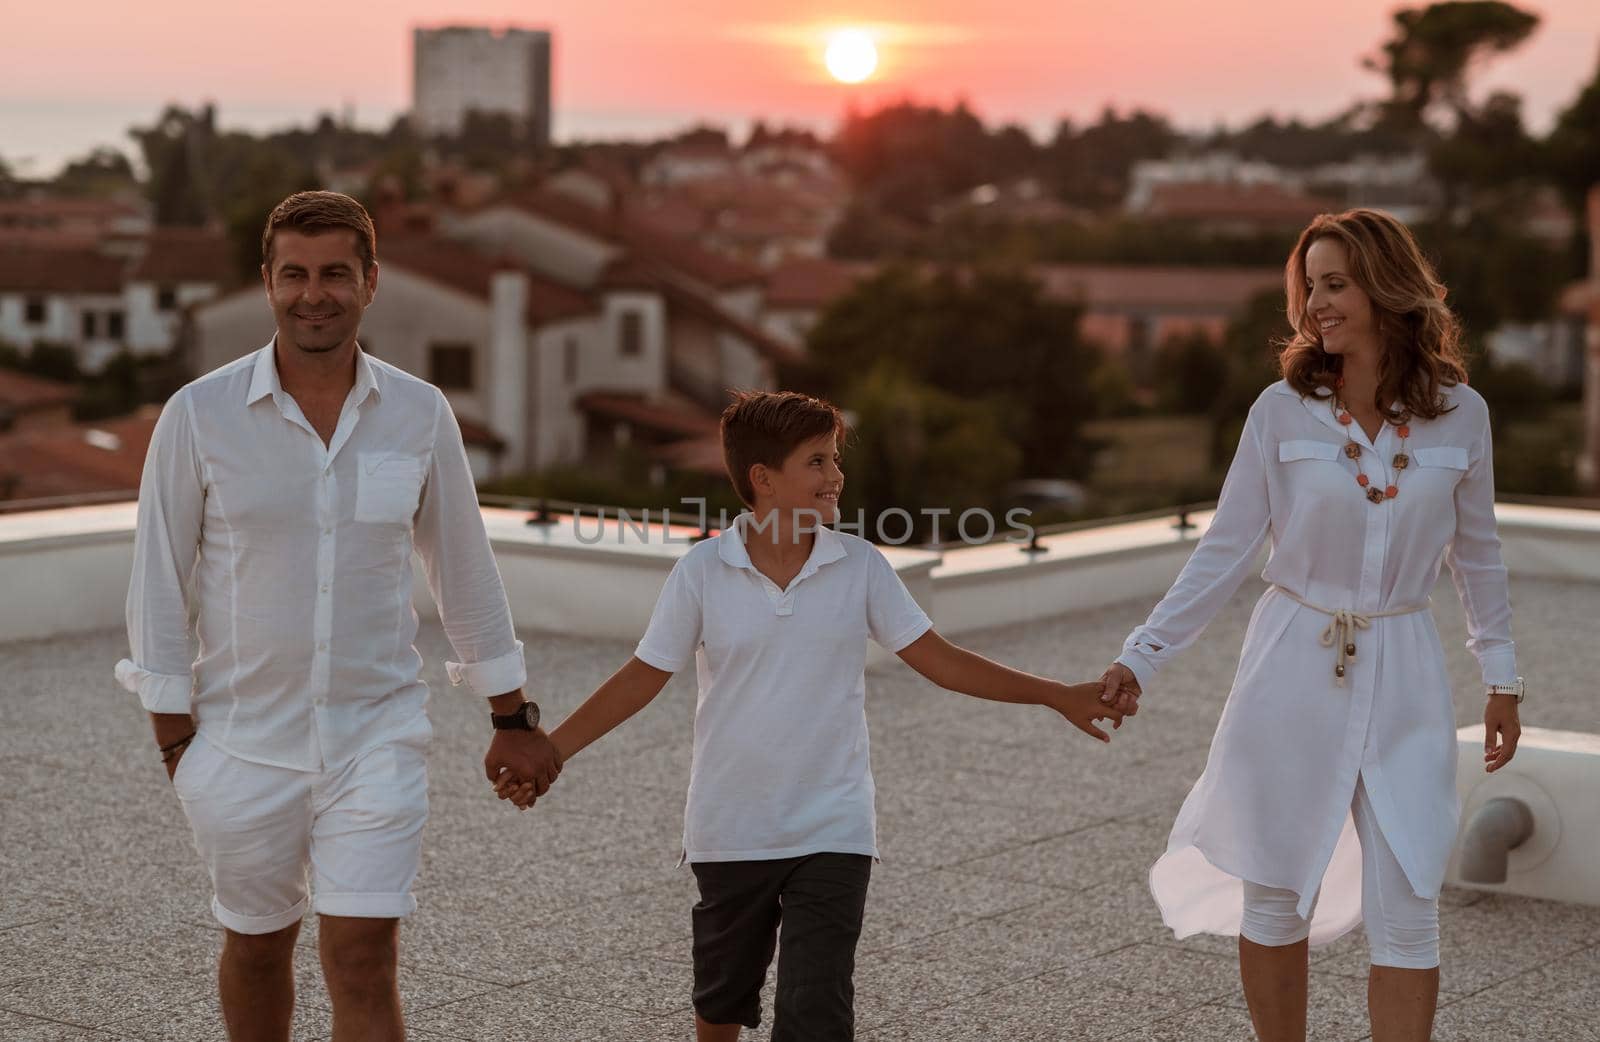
(1273, 805)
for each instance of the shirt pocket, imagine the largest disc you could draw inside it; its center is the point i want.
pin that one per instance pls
(1447, 457)
(388, 487)
(1293, 451)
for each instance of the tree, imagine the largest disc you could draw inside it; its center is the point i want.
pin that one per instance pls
(1250, 364)
(1433, 49)
(104, 171)
(905, 158)
(1091, 168)
(1191, 371)
(915, 448)
(987, 335)
(174, 150)
(1573, 147)
(1488, 153)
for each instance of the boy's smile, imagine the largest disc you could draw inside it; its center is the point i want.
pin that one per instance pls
(809, 480)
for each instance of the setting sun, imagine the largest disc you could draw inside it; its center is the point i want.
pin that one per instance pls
(851, 56)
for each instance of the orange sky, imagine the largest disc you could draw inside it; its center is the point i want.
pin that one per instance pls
(76, 73)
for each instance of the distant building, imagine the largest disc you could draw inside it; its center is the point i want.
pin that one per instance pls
(1131, 310)
(46, 222)
(561, 333)
(763, 205)
(122, 293)
(1229, 190)
(1236, 209)
(458, 69)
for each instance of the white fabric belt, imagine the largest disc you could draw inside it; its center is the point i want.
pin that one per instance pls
(1341, 632)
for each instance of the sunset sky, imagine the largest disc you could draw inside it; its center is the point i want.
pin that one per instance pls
(76, 74)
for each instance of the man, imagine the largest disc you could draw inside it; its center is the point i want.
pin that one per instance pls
(284, 494)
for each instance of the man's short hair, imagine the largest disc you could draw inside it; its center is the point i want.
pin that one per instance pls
(766, 426)
(316, 212)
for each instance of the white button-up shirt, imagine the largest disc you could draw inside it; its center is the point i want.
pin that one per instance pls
(296, 557)
(780, 764)
(1273, 805)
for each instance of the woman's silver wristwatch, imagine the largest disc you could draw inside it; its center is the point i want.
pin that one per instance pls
(1518, 689)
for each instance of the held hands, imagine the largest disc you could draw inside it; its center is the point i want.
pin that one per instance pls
(1501, 729)
(522, 765)
(1081, 705)
(1119, 689)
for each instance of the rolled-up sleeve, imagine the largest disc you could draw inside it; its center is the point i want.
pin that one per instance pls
(1478, 571)
(461, 570)
(166, 542)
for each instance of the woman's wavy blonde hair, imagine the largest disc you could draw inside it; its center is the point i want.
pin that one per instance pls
(1421, 336)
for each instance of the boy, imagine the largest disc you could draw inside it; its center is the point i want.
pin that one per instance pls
(779, 827)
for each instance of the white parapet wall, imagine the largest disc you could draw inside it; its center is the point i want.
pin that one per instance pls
(1556, 776)
(66, 571)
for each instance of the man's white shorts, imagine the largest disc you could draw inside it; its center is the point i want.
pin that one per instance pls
(358, 827)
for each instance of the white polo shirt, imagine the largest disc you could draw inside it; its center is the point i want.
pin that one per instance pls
(780, 763)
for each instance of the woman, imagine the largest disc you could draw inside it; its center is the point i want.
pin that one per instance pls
(1329, 794)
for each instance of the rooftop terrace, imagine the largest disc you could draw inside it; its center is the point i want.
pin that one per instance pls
(1011, 902)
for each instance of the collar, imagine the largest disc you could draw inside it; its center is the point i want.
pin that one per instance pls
(827, 548)
(1319, 403)
(264, 380)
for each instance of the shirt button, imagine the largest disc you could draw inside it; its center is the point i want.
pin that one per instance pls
(327, 531)
(323, 646)
(324, 587)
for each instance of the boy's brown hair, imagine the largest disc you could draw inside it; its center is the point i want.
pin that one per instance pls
(316, 212)
(766, 426)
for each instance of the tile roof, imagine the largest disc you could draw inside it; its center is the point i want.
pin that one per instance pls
(52, 208)
(700, 264)
(82, 270)
(480, 434)
(703, 455)
(20, 392)
(459, 266)
(103, 456)
(1173, 288)
(631, 272)
(805, 282)
(668, 414)
(815, 283)
(1267, 203)
(185, 255)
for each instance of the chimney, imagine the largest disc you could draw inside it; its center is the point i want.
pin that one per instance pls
(508, 364)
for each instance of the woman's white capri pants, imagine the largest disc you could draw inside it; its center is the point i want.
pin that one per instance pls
(1402, 928)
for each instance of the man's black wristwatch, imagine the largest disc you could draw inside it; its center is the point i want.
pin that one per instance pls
(523, 718)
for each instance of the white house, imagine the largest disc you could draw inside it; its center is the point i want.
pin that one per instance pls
(100, 300)
(558, 335)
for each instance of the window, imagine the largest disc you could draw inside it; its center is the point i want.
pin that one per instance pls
(114, 325)
(33, 311)
(89, 327)
(450, 366)
(632, 344)
(569, 361)
(166, 299)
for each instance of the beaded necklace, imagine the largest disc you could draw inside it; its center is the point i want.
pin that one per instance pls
(1401, 461)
